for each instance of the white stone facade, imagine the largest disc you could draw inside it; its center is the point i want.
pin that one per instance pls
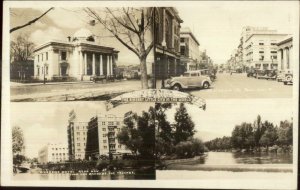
(53, 153)
(79, 58)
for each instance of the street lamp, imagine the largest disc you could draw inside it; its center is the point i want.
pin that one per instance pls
(164, 45)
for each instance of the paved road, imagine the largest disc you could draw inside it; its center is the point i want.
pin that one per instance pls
(241, 86)
(226, 86)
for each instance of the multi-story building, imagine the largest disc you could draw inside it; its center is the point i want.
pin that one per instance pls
(102, 136)
(261, 50)
(167, 40)
(189, 49)
(77, 137)
(78, 58)
(285, 54)
(247, 31)
(53, 153)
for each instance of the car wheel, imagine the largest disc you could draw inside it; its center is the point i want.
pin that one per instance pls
(288, 78)
(205, 85)
(176, 87)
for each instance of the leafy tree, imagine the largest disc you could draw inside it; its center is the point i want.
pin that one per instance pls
(184, 126)
(242, 136)
(17, 145)
(139, 133)
(285, 133)
(190, 148)
(270, 135)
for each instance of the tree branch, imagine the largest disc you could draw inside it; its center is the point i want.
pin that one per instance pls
(30, 22)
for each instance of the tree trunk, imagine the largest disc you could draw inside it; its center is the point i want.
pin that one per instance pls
(144, 77)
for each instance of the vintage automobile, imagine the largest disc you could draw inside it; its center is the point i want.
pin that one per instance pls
(288, 78)
(252, 73)
(209, 73)
(280, 75)
(189, 79)
(267, 74)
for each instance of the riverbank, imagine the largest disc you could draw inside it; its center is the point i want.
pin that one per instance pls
(235, 167)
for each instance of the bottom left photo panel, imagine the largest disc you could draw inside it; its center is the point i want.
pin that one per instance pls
(82, 141)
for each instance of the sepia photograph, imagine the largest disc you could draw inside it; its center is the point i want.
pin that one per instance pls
(167, 94)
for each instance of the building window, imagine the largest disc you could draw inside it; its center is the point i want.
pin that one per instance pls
(110, 123)
(104, 141)
(261, 58)
(273, 51)
(78, 133)
(119, 146)
(118, 123)
(103, 123)
(38, 58)
(103, 129)
(261, 52)
(63, 56)
(78, 144)
(46, 70)
(78, 150)
(104, 135)
(105, 147)
(273, 44)
(46, 55)
(181, 39)
(261, 44)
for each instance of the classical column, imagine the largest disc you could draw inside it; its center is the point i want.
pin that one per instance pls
(284, 58)
(111, 66)
(288, 58)
(85, 64)
(80, 63)
(107, 65)
(101, 64)
(94, 68)
(279, 61)
(291, 57)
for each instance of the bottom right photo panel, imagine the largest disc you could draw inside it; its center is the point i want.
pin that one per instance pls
(238, 139)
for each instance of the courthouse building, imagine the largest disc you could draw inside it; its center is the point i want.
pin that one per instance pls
(78, 58)
(53, 153)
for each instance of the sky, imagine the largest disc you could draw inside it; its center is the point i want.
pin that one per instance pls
(222, 115)
(42, 126)
(216, 25)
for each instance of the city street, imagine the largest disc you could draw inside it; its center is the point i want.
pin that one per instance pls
(226, 86)
(238, 85)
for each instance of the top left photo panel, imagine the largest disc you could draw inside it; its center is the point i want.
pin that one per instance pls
(79, 54)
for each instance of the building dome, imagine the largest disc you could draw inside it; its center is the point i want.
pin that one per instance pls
(83, 35)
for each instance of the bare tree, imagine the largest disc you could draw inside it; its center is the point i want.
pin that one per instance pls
(21, 49)
(29, 22)
(130, 27)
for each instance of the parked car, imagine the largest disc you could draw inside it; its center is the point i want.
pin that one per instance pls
(190, 79)
(208, 73)
(288, 78)
(280, 75)
(267, 74)
(252, 73)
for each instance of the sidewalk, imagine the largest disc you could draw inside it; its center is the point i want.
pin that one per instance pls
(71, 91)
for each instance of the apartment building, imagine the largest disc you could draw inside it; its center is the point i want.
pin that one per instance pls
(53, 152)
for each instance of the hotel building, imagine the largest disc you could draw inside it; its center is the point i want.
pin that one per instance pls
(78, 58)
(261, 50)
(77, 137)
(53, 153)
(102, 136)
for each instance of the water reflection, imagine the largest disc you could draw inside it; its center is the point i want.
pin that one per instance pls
(229, 158)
